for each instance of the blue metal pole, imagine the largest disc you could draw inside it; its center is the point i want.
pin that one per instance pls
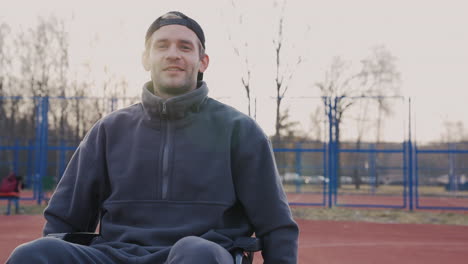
(410, 175)
(44, 138)
(299, 182)
(45, 142)
(372, 168)
(325, 173)
(39, 176)
(410, 160)
(334, 175)
(62, 148)
(405, 174)
(336, 153)
(16, 156)
(37, 147)
(330, 153)
(30, 169)
(298, 159)
(453, 183)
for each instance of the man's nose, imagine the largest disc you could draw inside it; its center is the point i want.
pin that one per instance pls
(173, 52)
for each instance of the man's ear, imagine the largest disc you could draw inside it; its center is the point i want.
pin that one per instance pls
(204, 62)
(145, 60)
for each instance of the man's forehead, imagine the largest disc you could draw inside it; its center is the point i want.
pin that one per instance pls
(174, 32)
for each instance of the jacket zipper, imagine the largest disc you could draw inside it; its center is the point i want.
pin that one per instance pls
(165, 157)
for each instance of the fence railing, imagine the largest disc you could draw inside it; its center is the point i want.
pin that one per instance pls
(315, 173)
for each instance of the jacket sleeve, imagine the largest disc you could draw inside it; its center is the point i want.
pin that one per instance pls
(260, 191)
(75, 204)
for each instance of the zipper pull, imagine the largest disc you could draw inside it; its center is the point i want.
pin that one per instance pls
(164, 110)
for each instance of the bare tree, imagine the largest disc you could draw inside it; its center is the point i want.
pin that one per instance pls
(5, 67)
(114, 91)
(246, 81)
(5, 81)
(316, 121)
(284, 73)
(284, 67)
(43, 63)
(36, 53)
(114, 87)
(339, 84)
(454, 132)
(382, 79)
(242, 53)
(79, 88)
(376, 79)
(5, 58)
(61, 36)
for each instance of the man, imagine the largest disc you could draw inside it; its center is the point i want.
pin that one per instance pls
(173, 179)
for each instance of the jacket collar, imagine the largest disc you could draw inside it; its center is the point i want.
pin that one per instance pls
(175, 107)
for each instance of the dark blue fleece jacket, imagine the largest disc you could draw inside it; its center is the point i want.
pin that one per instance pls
(161, 170)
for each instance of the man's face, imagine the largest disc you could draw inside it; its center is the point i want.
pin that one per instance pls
(174, 60)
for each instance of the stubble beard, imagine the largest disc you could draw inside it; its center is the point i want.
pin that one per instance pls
(172, 87)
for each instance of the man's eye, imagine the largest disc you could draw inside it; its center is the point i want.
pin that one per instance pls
(186, 48)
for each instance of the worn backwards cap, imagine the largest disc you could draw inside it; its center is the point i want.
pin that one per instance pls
(177, 18)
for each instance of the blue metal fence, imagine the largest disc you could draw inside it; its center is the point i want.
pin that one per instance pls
(326, 173)
(456, 194)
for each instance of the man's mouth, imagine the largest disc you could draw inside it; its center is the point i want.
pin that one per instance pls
(173, 69)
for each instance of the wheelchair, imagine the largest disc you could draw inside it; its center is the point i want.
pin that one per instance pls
(244, 247)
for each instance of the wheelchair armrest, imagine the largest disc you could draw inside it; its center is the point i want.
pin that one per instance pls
(81, 238)
(244, 249)
(248, 244)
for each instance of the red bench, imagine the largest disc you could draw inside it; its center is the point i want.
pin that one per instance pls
(11, 197)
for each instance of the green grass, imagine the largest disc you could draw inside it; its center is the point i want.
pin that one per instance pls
(381, 215)
(339, 214)
(24, 209)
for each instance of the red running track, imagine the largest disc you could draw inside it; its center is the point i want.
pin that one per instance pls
(322, 242)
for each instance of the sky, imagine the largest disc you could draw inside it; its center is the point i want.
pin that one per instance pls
(428, 38)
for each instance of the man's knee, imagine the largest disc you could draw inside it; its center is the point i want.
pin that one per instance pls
(198, 250)
(38, 251)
